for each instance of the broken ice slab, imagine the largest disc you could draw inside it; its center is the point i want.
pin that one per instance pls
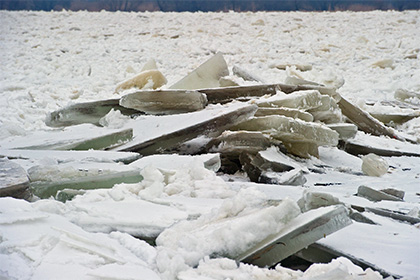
(65, 156)
(150, 79)
(303, 100)
(271, 169)
(291, 130)
(394, 215)
(233, 143)
(207, 75)
(287, 112)
(363, 144)
(14, 181)
(345, 130)
(89, 112)
(154, 134)
(46, 189)
(375, 195)
(165, 102)
(80, 137)
(227, 94)
(176, 162)
(364, 121)
(299, 233)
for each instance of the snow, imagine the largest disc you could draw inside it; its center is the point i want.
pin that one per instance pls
(54, 59)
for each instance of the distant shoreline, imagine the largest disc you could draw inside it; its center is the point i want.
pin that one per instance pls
(209, 5)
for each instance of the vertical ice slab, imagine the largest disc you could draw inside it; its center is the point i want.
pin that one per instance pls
(207, 75)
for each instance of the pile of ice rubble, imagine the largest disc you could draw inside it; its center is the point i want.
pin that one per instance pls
(210, 170)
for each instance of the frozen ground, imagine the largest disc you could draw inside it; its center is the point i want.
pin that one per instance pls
(53, 59)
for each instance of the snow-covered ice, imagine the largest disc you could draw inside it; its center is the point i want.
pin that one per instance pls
(54, 59)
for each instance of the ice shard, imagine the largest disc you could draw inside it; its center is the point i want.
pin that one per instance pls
(287, 112)
(296, 236)
(89, 112)
(207, 75)
(14, 181)
(304, 100)
(165, 102)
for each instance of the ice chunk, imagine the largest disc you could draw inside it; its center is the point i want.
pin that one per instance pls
(374, 165)
(375, 195)
(287, 112)
(145, 80)
(384, 63)
(272, 167)
(293, 177)
(313, 200)
(207, 75)
(304, 100)
(14, 181)
(233, 143)
(164, 102)
(277, 161)
(292, 131)
(89, 112)
(328, 112)
(394, 192)
(345, 130)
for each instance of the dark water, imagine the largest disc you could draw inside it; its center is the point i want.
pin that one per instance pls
(210, 5)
